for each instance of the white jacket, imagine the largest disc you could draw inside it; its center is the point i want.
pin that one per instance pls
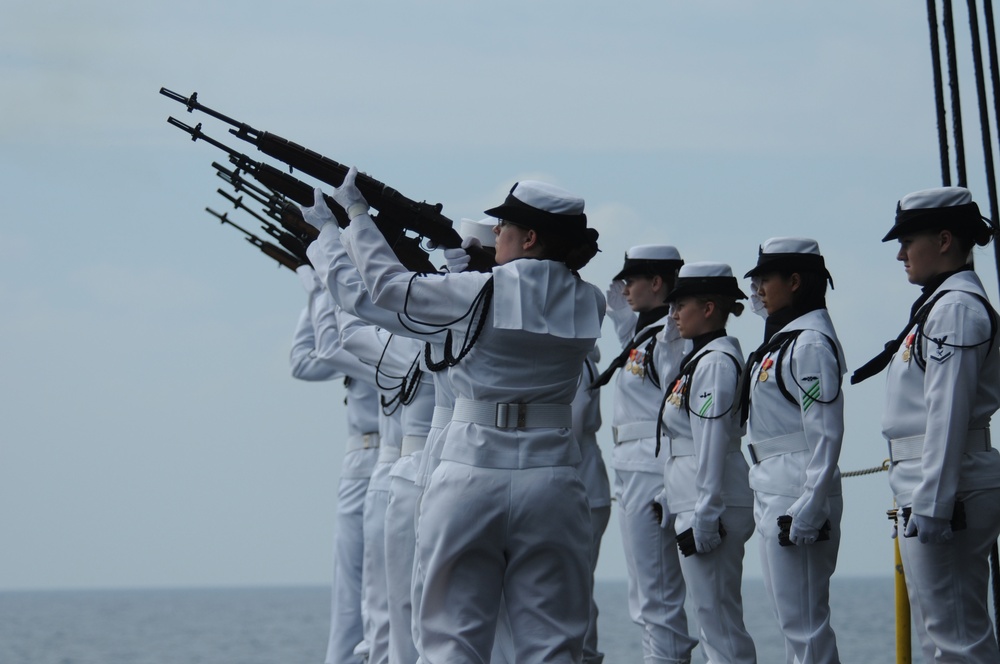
(957, 392)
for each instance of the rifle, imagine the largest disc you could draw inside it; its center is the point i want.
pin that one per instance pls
(290, 242)
(275, 205)
(422, 218)
(406, 248)
(269, 249)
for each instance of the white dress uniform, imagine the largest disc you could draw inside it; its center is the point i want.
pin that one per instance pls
(317, 355)
(410, 472)
(705, 474)
(656, 583)
(795, 448)
(594, 473)
(505, 511)
(369, 344)
(942, 388)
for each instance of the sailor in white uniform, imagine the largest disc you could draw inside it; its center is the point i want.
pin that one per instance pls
(346, 285)
(705, 474)
(943, 386)
(317, 355)
(637, 307)
(796, 411)
(505, 512)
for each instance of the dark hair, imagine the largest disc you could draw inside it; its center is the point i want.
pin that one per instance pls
(727, 304)
(812, 290)
(574, 251)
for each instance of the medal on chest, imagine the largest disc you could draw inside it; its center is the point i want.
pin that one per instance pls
(764, 366)
(677, 392)
(636, 363)
(907, 348)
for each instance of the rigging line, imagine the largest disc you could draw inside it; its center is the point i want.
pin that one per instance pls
(984, 112)
(991, 40)
(939, 93)
(956, 102)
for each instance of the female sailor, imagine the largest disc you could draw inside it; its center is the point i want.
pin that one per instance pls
(792, 394)
(505, 511)
(942, 387)
(705, 474)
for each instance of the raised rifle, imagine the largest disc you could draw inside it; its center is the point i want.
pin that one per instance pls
(275, 205)
(422, 218)
(406, 248)
(271, 250)
(290, 242)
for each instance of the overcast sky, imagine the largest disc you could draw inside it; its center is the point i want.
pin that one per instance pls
(151, 432)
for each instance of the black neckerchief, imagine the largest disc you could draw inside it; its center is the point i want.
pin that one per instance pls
(649, 317)
(878, 363)
(783, 317)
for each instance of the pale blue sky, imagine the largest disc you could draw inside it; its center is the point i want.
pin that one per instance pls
(151, 432)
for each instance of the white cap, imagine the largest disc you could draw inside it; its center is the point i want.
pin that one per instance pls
(482, 230)
(704, 269)
(648, 259)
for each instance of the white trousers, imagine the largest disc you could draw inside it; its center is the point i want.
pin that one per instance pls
(400, 538)
(375, 594)
(346, 627)
(797, 580)
(523, 534)
(656, 583)
(714, 582)
(947, 584)
(599, 517)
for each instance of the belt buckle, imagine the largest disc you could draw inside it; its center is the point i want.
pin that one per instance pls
(753, 455)
(503, 413)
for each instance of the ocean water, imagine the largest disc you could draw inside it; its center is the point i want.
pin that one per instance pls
(289, 625)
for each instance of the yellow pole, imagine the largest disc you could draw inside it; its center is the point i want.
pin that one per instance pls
(902, 607)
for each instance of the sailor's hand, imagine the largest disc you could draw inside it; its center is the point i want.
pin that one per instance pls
(348, 196)
(928, 529)
(706, 540)
(802, 533)
(661, 512)
(616, 296)
(317, 215)
(457, 260)
(310, 282)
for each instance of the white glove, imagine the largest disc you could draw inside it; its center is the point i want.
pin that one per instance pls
(616, 296)
(348, 196)
(894, 532)
(755, 304)
(802, 533)
(661, 511)
(458, 259)
(309, 279)
(317, 215)
(928, 529)
(706, 540)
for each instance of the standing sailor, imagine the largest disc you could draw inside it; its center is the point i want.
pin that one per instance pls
(942, 388)
(637, 306)
(505, 511)
(796, 411)
(705, 475)
(317, 355)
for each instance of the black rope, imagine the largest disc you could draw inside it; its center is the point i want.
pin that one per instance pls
(995, 574)
(984, 112)
(991, 41)
(956, 102)
(939, 92)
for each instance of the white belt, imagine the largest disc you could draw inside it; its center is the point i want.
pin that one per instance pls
(792, 442)
(441, 417)
(514, 415)
(412, 444)
(680, 447)
(633, 431)
(912, 447)
(387, 454)
(362, 441)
